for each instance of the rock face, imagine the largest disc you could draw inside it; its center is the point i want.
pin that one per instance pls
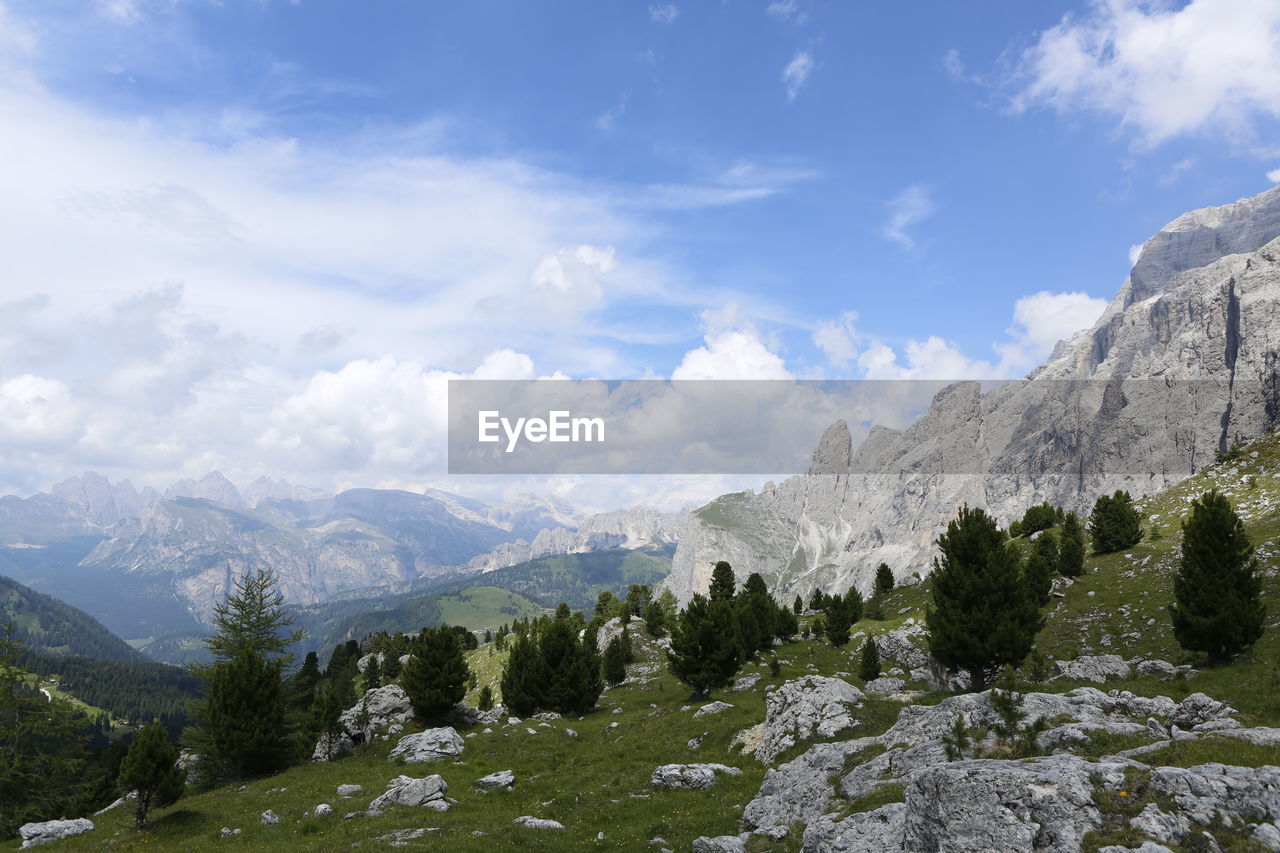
(388, 709)
(696, 777)
(430, 745)
(634, 528)
(812, 707)
(1096, 668)
(34, 834)
(1190, 339)
(406, 791)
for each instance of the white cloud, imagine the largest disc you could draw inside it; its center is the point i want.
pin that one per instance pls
(1163, 70)
(797, 72)
(37, 412)
(1274, 176)
(733, 349)
(570, 279)
(908, 208)
(785, 9)
(838, 339)
(606, 119)
(664, 13)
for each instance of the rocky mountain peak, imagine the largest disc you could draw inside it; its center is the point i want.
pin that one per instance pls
(834, 451)
(211, 487)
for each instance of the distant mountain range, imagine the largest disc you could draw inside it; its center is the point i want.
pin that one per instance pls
(153, 565)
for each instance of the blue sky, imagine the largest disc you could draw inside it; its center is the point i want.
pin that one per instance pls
(258, 235)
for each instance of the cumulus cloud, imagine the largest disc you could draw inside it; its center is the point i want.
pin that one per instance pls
(570, 279)
(908, 208)
(733, 349)
(664, 13)
(838, 339)
(1274, 176)
(796, 73)
(1162, 69)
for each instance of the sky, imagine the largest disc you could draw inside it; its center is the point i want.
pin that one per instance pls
(260, 235)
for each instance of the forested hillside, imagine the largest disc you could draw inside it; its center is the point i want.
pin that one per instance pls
(48, 626)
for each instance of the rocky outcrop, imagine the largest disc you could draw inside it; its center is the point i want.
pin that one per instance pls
(1096, 668)
(809, 708)
(35, 834)
(696, 777)
(381, 713)
(430, 745)
(504, 779)
(1190, 339)
(429, 792)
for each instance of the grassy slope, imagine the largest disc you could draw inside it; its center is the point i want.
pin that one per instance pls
(600, 781)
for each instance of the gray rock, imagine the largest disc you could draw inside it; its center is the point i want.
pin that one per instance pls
(799, 790)
(322, 810)
(1268, 835)
(1096, 668)
(1160, 825)
(867, 832)
(711, 708)
(537, 822)
(388, 709)
(746, 682)
(34, 834)
(696, 777)
(346, 792)
(884, 686)
(1197, 709)
(1162, 668)
(270, 818)
(429, 792)
(227, 832)
(402, 837)
(1216, 790)
(1045, 804)
(720, 844)
(1145, 847)
(501, 779)
(430, 745)
(1259, 736)
(809, 708)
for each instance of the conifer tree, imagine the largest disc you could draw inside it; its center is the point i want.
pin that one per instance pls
(302, 687)
(869, 661)
(705, 651)
(1071, 548)
(884, 579)
(326, 712)
(982, 617)
(1041, 566)
(1114, 523)
(523, 677)
(816, 600)
(391, 665)
(638, 598)
(798, 606)
(839, 615)
(723, 583)
(785, 624)
(572, 667)
(373, 674)
(485, 701)
(149, 768)
(1217, 592)
(655, 620)
(435, 678)
(242, 728)
(615, 664)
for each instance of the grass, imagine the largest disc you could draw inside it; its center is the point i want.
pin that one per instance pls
(485, 607)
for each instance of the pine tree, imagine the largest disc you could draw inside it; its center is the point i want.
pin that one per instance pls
(869, 662)
(391, 665)
(1042, 565)
(573, 683)
(884, 579)
(373, 674)
(326, 712)
(615, 664)
(983, 616)
(1114, 523)
(839, 615)
(798, 606)
(523, 677)
(1071, 548)
(723, 583)
(655, 620)
(485, 702)
(1217, 592)
(607, 606)
(242, 728)
(816, 600)
(638, 598)
(435, 678)
(302, 687)
(705, 650)
(785, 625)
(150, 769)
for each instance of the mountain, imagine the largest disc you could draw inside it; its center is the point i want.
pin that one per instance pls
(1180, 367)
(629, 529)
(48, 627)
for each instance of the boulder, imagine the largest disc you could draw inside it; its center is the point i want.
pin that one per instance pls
(346, 792)
(428, 792)
(900, 646)
(866, 832)
(1210, 791)
(884, 686)
(720, 844)
(809, 708)
(501, 779)
(388, 710)
(1198, 709)
(537, 822)
(1045, 804)
(746, 682)
(799, 790)
(1267, 835)
(711, 708)
(1095, 668)
(697, 777)
(1259, 736)
(1166, 828)
(33, 834)
(1162, 668)
(270, 818)
(430, 745)
(748, 740)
